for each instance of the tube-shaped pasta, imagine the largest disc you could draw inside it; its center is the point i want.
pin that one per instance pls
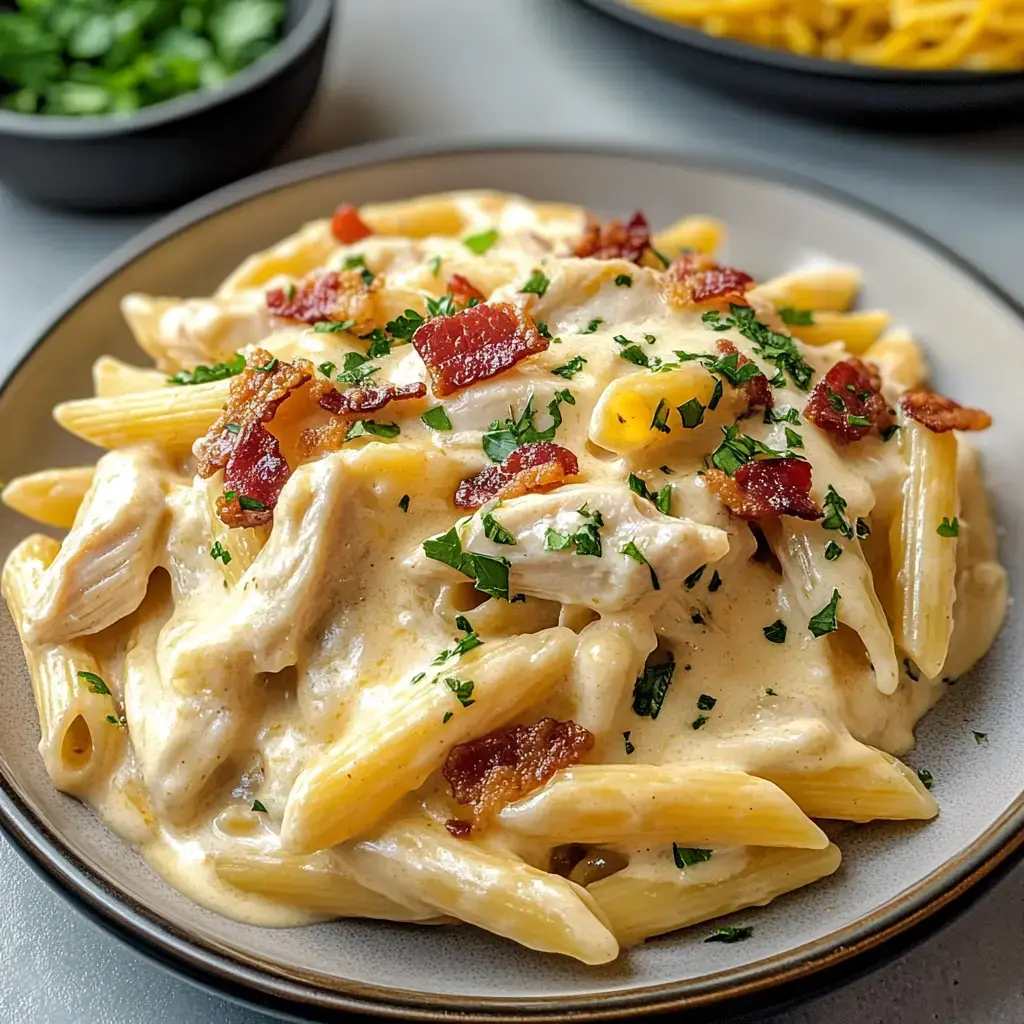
(171, 417)
(899, 359)
(859, 330)
(640, 903)
(295, 256)
(416, 858)
(923, 558)
(872, 785)
(705, 234)
(79, 724)
(102, 570)
(318, 882)
(390, 751)
(52, 496)
(241, 544)
(699, 806)
(817, 288)
(112, 377)
(801, 553)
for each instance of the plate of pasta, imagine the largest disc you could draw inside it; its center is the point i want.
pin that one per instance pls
(504, 577)
(911, 63)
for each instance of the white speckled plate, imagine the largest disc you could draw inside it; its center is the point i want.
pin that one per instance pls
(895, 880)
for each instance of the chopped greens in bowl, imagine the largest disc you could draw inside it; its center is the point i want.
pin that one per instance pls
(95, 57)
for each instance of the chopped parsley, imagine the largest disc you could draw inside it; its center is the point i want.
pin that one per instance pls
(785, 414)
(232, 428)
(95, 683)
(258, 807)
(835, 506)
(699, 722)
(857, 421)
(571, 368)
(650, 688)
(434, 263)
(637, 356)
(480, 242)
(889, 432)
(333, 326)
(624, 281)
(695, 617)
(448, 716)
(797, 317)
(251, 504)
(437, 418)
(365, 428)
(863, 530)
(832, 551)
(463, 690)
(379, 344)
(687, 856)
(217, 550)
(444, 306)
(694, 578)
(779, 349)
(357, 261)
(403, 503)
(738, 449)
(665, 261)
(825, 621)
(121, 722)
(537, 284)
(771, 692)
(625, 739)
(405, 326)
(691, 413)
(490, 574)
(206, 374)
(327, 368)
(467, 643)
(730, 935)
(493, 530)
(356, 370)
(660, 420)
(706, 703)
(504, 437)
(776, 632)
(586, 539)
(632, 551)
(662, 499)
(926, 777)
(592, 326)
(948, 527)
(793, 439)
(980, 737)
(542, 330)
(716, 582)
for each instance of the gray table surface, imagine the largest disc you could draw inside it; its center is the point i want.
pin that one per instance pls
(532, 69)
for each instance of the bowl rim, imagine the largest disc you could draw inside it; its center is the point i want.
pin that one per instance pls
(787, 61)
(907, 917)
(314, 21)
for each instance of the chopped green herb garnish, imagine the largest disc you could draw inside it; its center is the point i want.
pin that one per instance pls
(980, 737)
(365, 428)
(405, 326)
(504, 437)
(695, 617)
(95, 683)
(785, 414)
(403, 503)
(835, 506)
(592, 326)
(730, 934)
(776, 632)
(632, 551)
(889, 432)
(797, 317)
(571, 368)
(699, 722)
(356, 370)
(777, 348)
(694, 578)
(948, 527)
(825, 621)
(793, 439)
(493, 530)
(624, 281)
(706, 703)
(357, 261)
(687, 856)
(665, 261)
(251, 504)
(738, 449)
(217, 550)
(448, 715)
(660, 421)
(207, 374)
(537, 284)
(230, 495)
(232, 428)
(636, 355)
(463, 690)
(771, 692)
(832, 551)
(437, 418)
(467, 643)
(333, 326)
(434, 263)
(258, 807)
(926, 777)
(716, 582)
(489, 573)
(481, 242)
(625, 739)
(662, 499)
(857, 421)
(691, 412)
(586, 539)
(650, 689)
(542, 330)
(327, 368)
(444, 306)
(121, 722)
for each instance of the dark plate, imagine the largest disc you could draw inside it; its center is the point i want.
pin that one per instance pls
(882, 97)
(171, 152)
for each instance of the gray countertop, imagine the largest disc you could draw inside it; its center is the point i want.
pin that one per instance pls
(532, 69)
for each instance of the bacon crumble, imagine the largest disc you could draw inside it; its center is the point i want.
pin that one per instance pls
(347, 226)
(847, 396)
(769, 487)
(505, 765)
(459, 828)
(462, 290)
(240, 444)
(695, 279)
(939, 413)
(475, 344)
(541, 466)
(615, 240)
(356, 402)
(335, 295)
(757, 390)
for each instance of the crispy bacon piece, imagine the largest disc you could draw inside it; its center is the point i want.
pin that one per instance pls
(771, 487)
(505, 765)
(757, 390)
(534, 467)
(475, 344)
(459, 828)
(695, 279)
(355, 402)
(463, 290)
(347, 226)
(939, 413)
(847, 402)
(615, 240)
(333, 295)
(239, 443)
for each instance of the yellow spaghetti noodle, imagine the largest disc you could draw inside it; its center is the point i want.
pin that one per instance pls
(973, 35)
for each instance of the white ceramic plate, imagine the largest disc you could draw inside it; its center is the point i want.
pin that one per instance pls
(892, 877)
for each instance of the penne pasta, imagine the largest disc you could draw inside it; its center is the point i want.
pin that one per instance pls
(858, 331)
(704, 234)
(831, 289)
(52, 496)
(111, 377)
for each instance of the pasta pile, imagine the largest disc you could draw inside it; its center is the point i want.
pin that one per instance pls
(469, 558)
(975, 35)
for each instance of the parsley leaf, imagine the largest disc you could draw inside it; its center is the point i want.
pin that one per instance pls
(691, 413)
(797, 317)
(785, 414)
(493, 530)
(625, 739)
(926, 777)
(650, 689)
(980, 737)
(217, 550)
(716, 582)
(694, 578)
(357, 261)
(592, 326)
(586, 539)
(437, 418)
(662, 500)
(687, 856)
(660, 420)
(832, 551)
(95, 683)
(699, 722)
(825, 621)
(327, 368)
(504, 437)
(405, 326)
(948, 527)
(481, 242)
(542, 330)
(463, 690)
(356, 370)
(251, 504)
(365, 428)
(403, 503)
(434, 263)
(738, 449)
(632, 551)
(333, 326)
(444, 306)
(706, 703)
(624, 281)
(730, 934)
(779, 349)
(570, 369)
(205, 374)
(490, 574)
(793, 439)
(448, 716)
(636, 355)
(537, 284)
(835, 505)
(776, 632)
(258, 807)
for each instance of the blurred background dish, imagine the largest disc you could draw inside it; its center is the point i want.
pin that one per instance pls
(191, 97)
(928, 95)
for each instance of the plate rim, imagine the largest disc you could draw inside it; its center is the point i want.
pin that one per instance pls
(787, 61)
(213, 966)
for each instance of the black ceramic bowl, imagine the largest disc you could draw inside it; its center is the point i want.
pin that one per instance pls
(838, 90)
(171, 152)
